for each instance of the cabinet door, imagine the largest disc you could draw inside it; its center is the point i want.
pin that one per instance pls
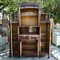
(14, 27)
(15, 42)
(14, 31)
(16, 49)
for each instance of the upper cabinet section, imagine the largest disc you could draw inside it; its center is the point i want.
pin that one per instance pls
(29, 14)
(29, 17)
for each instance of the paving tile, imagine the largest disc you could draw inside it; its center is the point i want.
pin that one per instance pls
(5, 57)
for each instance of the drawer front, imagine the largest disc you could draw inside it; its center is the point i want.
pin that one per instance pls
(31, 37)
(34, 38)
(22, 38)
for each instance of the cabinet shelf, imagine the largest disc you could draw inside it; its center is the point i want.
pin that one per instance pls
(29, 15)
(35, 35)
(14, 22)
(44, 21)
(29, 26)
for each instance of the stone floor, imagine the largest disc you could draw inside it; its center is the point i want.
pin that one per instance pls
(55, 52)
(55, 55)
(5, 57)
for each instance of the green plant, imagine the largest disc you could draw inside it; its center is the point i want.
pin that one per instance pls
(4, 32)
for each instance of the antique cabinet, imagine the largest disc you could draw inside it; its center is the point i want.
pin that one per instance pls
(30, 34)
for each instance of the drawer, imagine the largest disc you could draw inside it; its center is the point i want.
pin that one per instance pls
(34, 37)
(30, 37)
(21, 38)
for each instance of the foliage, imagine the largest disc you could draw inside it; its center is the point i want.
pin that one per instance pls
(53, 7)
(4, 32)
(50, 6)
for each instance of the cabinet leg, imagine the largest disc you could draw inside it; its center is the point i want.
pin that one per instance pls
(9, 55)
(20, 49)
(38, 49)
(49, 56)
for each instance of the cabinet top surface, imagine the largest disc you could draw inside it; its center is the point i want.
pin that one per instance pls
(29, 5)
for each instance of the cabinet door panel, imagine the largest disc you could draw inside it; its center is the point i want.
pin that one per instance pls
(16, 49)
(14, 27)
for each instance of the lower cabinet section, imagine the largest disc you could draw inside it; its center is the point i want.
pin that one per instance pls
(30, 45)
(29, 48)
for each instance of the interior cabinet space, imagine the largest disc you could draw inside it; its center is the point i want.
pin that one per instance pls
(29, 30)
(45, 34)
(45, 17)
(29, 17)
(30, 34)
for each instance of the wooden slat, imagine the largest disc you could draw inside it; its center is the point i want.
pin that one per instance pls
(28, 20)
(38, 48)
(29, 46)
(29, 53)
(29, 42)
(11, 40)
(20, 48)
(49, 35)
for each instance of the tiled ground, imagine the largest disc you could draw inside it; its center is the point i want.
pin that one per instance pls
(56, 52)
(55, 55)
(5, 57)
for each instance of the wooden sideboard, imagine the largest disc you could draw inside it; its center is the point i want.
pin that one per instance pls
(30, 35)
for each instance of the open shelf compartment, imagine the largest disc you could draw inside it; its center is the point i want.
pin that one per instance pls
(28, 17)
(29, 30)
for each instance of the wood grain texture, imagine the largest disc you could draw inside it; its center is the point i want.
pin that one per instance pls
(31, 34)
